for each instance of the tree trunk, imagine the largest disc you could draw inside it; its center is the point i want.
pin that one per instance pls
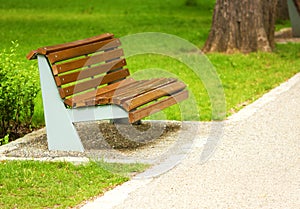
(282, 11)
(242, 25)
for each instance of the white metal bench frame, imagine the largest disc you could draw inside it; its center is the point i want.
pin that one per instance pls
(61, 132)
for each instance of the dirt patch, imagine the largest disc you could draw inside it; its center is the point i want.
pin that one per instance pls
(127, 136)
(103, 139)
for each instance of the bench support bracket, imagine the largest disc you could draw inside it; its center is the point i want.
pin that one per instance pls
(61, 133)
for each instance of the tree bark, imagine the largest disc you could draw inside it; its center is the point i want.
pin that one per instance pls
(242, 25)
(282, 11)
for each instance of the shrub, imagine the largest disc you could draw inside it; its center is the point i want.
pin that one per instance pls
(18, 88)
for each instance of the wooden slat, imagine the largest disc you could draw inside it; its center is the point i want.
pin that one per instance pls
(91, 102)
(89, 72)
(146, 86)
(93, 83)
(110, 94)
(31, 55)
(133, 90)
(83, 99)
(158, 106)
(83, 50)
(86, 61)
(48, 49)
(153, 95)
(102, 98)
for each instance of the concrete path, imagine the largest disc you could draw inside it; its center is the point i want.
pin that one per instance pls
(256, 164)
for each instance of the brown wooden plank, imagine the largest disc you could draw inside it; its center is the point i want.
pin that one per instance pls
(105, 97)
(138, 89)
(91, 95)
(130, 91)
(110, 94)
(83, 50)
(126, 94)
(89, 72)
(48, 49)
(86, 61)
(93, 83)
(104, 90)
(153, 95)
(91, 102)
(31, 55)
(148, 85)
(158, 106)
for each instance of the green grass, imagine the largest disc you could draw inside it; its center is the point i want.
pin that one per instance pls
(280, 24)
(244, 77)
(32, 184)
(37, 23)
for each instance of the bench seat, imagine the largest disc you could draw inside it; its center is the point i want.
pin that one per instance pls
(92, 73)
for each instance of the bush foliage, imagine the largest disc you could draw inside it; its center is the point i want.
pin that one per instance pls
(19, 86)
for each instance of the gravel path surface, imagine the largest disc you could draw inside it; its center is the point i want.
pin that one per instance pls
(256, 164)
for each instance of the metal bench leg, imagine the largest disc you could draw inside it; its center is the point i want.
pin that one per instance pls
(61, 133)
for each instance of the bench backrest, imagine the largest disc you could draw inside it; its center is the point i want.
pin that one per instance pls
(85, 65)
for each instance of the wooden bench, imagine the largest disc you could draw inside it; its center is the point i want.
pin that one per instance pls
(88, 80)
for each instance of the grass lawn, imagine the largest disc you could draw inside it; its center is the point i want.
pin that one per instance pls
(33, 184)
(244, 77)
(37, 23)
